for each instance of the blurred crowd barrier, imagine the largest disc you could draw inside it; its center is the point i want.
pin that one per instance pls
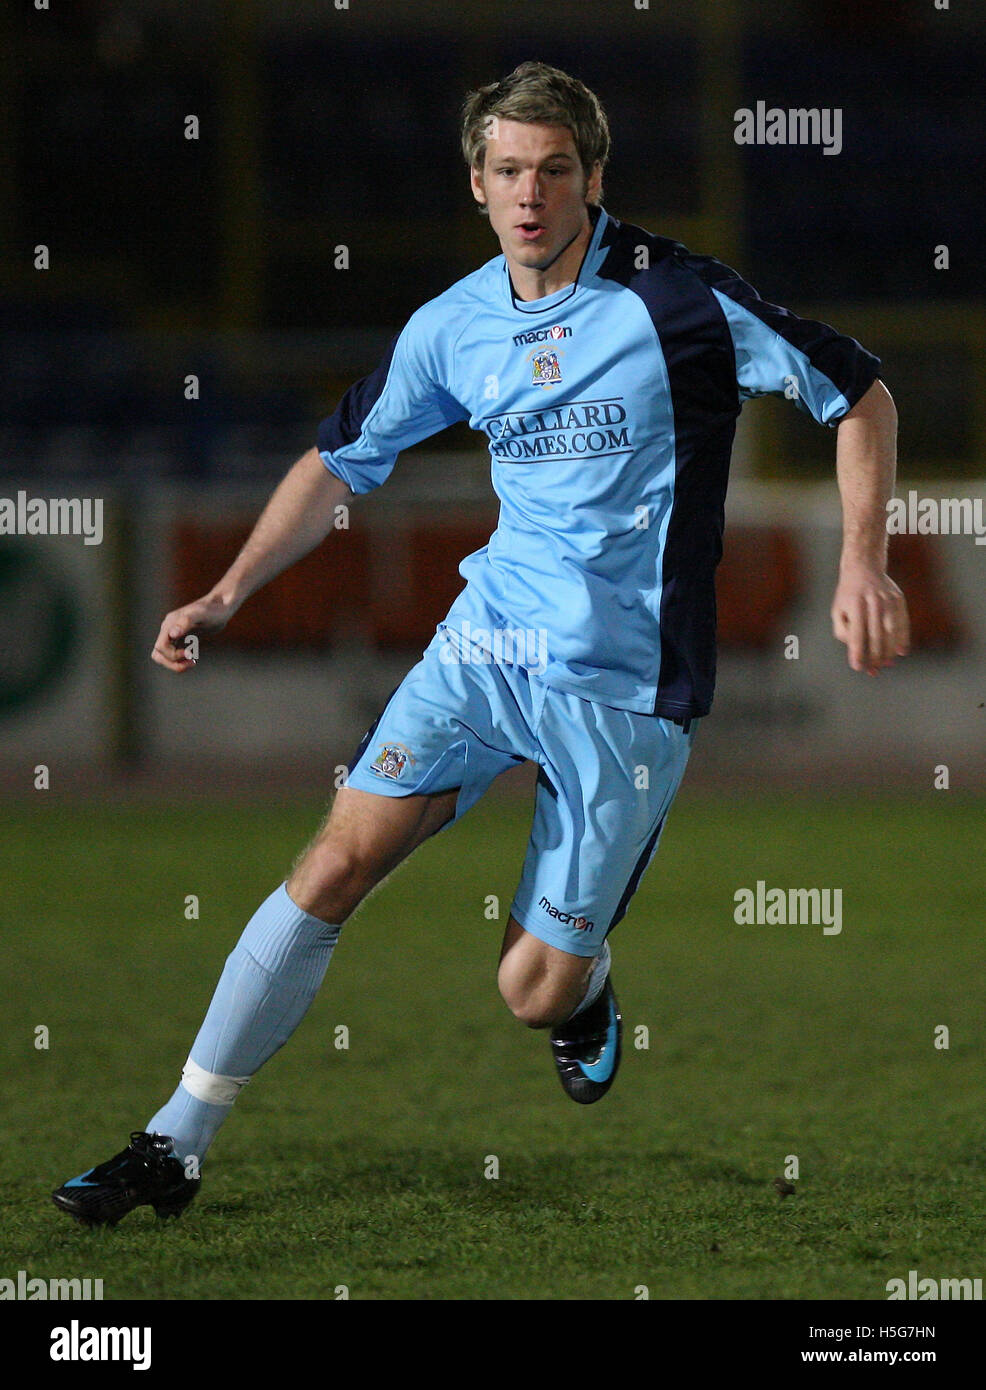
(307, 663)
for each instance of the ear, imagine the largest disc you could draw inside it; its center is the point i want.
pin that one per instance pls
(476, 184)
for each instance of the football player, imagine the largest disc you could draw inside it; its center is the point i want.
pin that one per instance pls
(606, 367)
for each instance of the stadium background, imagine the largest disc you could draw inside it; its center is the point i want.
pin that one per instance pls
(219, 257)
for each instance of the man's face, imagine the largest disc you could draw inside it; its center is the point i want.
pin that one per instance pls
(533, 184)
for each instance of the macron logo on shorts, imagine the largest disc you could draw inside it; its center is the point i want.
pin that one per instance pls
(566, 918)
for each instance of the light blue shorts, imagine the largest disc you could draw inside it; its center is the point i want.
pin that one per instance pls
(605, 784)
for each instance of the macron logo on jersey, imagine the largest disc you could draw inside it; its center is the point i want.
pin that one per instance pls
(540, 335)
(566, 918)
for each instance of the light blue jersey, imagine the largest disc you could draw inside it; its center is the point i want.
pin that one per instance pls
(610, 410)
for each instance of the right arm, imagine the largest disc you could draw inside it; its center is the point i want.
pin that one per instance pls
(297, 518)
(403, 401)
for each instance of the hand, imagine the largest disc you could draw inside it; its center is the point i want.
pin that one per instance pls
(208, 614)
(869, 614)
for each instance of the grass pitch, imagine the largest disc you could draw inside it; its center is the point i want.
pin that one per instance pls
(367, 1167)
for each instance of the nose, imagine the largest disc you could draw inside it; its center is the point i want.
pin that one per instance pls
(530, 193)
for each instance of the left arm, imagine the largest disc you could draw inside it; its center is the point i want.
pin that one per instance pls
(775, 349)
(869, 612)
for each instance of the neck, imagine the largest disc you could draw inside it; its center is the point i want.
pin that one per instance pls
(537, 282)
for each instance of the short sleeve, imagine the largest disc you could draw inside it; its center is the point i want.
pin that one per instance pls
(777, 353)
(401, 402)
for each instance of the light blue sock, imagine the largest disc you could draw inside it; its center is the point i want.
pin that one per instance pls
(269, 981)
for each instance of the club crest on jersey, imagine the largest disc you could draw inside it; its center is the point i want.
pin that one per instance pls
(391, 761)
(546, 369)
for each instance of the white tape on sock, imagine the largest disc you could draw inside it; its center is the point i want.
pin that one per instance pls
(209, 1086)
(597, 980)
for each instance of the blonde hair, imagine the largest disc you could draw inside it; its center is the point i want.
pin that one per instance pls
(536, 94)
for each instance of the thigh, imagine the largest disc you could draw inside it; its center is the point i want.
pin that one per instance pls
(364, 838)
(605, 785)
(383, 830)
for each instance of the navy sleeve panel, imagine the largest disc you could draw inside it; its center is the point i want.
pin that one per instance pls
(773, 346)
(406, 399)
(345, 424)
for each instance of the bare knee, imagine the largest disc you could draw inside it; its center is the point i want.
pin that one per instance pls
(537, 1010)
(542, 991)
(331, 881)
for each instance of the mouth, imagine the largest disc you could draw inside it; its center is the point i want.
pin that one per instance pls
(531, 231)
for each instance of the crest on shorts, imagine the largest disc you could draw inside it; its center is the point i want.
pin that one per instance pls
(546, 369)
(391, 761)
